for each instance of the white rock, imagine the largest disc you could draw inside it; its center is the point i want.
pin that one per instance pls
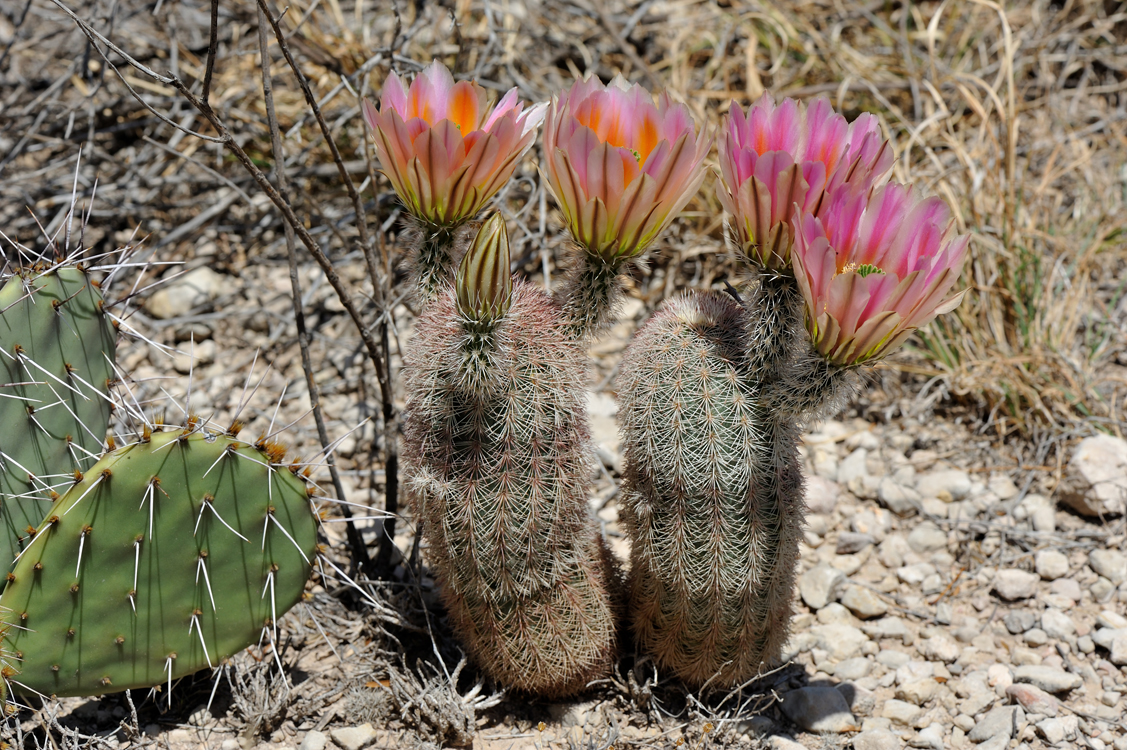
(918, 692)
(822, 495)
(1109, 563)
(839, 640)
(914, 575)
(1013, 584)
(314, 740)
(1118, 649)
(1049, 679)
(180, 296)
(1096, 482)
(1057, 624)
(853, 669)
(1060, 729)
(900, 712)
(929, 737)
(1002, 720)
(903, 501)
(876, 739)
(817, 585)
(863, 602)
(1109, 619)
(888, 627)
(947, 484)
(1002, 486)
(354, 738)
(893, 659)
(852, 467)
(1051, 564)
(876, 522)
(940, 648)
(927, 537)
(779, 742)
(1044, 519)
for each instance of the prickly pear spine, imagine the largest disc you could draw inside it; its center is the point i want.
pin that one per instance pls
(167, 556)
(497, 464)
(56, 358)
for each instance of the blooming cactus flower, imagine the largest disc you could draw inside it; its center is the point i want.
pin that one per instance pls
(445, 152)
(620, 166)
(484, 284)
(873, 267)
(776, 157)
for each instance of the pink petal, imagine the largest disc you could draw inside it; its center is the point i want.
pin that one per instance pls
(393, 96)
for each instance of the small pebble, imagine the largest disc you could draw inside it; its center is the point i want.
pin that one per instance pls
(314, 740)
(1019, 621)
(1051, 564)
(1049, 679)
(1033, 699)
(1013, 584)
(354, 738)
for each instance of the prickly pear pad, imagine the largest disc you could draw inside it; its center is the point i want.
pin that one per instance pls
(57, 346)
(162, 548)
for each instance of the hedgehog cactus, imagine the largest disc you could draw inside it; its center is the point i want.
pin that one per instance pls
(498, 465)
(56, 358)
(714, 393)
(166, 556)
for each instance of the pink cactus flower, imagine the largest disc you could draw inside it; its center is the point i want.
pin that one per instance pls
(621, 167)
(445, 152)
(777, 157)
(873, 267)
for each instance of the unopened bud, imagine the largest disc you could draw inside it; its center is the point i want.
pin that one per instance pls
(484, 284)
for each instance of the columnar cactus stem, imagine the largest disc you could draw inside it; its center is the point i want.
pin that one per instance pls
(497, 462)
(713, 497)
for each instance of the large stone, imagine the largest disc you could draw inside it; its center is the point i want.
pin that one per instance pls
(818, 585)
(819, 709)
(1049, 679)
(314, 740)
(821, 495)
(940, 648)
(919, 691)
(1056, 731)
(184, 293)
(354, 738)
(930, 737)
(839, 640)
(876, 739)
(1096, 481)
(927, 537)
(1109, 563)
(1051, 564)
(1000, 721)
(1033, 699)
(1057, 624)
(1013, 584)
(863, 602)
(947, 485)
(903, 501)
(900, 712)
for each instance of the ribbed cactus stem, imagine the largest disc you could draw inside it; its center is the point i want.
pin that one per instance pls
(713, 497)
(589, 295)
(497, 463)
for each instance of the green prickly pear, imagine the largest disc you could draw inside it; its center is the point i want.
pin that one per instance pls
(166, 556)
(56, 358)
(497, 462)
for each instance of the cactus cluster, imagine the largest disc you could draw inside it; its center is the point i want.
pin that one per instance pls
(713, 391)
(56, 359)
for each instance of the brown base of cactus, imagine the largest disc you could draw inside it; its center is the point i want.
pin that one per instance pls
(552, 643)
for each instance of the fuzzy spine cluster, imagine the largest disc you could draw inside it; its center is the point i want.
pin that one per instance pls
(497, 461)
(713, 396)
